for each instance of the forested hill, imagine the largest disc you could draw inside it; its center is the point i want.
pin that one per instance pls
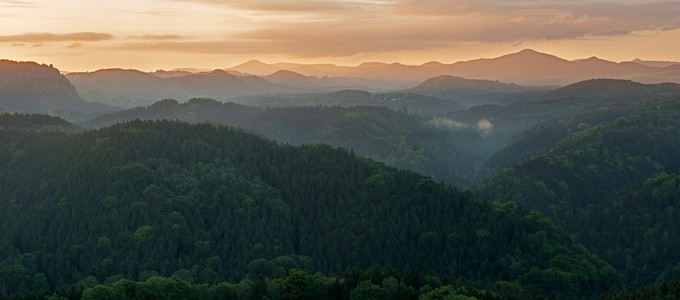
(447, 150)
(601, 185)
(206, 203)
(593, 164)
(195, 110)
(543, 136)
(638, 230)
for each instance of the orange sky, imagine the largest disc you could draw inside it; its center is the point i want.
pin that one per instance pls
(80, 35)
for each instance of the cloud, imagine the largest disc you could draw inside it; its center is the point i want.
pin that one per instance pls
(549, 19)
(158, 37)
(306, 29)
(74, 45)
(12, 3)
(413, 25)
(435, 24)
(53, 37)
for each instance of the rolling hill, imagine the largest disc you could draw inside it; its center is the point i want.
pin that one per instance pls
(468, 91)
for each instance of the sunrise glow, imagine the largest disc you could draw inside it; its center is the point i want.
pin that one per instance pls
(79, 35)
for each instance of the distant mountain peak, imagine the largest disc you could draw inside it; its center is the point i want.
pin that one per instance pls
(254, 62)
(286, 73)
(529, 51)
(220, 72)
(287, 77)
(255, 67)
(432, 64)
(371, 64)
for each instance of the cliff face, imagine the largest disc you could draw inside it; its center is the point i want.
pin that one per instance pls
(29, 87)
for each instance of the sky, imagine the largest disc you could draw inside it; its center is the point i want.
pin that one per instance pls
(86, 35)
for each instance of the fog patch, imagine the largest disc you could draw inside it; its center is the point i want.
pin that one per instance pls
(446, 123)
(484, 126)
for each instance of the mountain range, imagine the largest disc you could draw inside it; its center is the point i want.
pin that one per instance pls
(491, 78)
(527, 67)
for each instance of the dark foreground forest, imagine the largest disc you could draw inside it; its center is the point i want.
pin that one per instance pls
(207, 204)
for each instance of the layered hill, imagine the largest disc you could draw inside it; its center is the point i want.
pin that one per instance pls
(412, 102)
(575, 107)
(212, 202)
(525, 110)
(124, 88)
(129, 88)
(452, 148)
(447, 150)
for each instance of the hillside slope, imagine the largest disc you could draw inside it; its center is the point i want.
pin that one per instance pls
(592, 165)
(607, 186)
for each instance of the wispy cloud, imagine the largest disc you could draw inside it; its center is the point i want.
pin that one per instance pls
(350, 30)
(336, 28)
(297, 6)
(12, 3)
(54, 37)
(163, 37)
(550, 19)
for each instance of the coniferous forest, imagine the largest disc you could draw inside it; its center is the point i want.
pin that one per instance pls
(208, 203)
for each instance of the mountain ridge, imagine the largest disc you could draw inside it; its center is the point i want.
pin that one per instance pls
(547, 69)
